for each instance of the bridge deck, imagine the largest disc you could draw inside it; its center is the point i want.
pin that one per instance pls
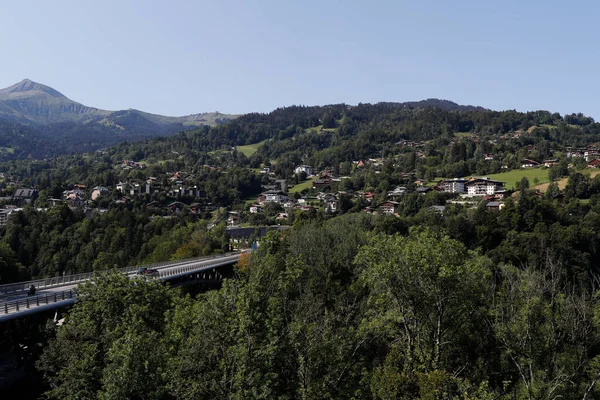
(16, 303)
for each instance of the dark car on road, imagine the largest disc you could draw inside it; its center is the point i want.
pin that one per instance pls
(152, 273)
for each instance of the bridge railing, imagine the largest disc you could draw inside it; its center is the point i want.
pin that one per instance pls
(37, 301)
(196, 266)
(78, 278)
(13, 306)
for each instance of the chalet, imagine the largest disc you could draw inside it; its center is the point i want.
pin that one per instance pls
(331, 205)
(272, 196)
(419, 182)
(153, 204)
(549, 163)
(494, 205)
(527, 163)
(77, 201)
(595, 163)
(423, 189)
(456, 185)
(368, 196)
(54, 202)
(304, 207)
(24, 196)
(255, 209)
(289, 204)
(233, 218)
(389, 207)
(397, 193)
(575, 153)
(72, 194)
(128, 164)
(410, 143)
(591, 154)
(123, 200)
(483, 186)
(175, 177)
(195, 208)
(176, 206)
(307, 169)
(488, 157)
(281, 216)
(99, 191)
(320, 183)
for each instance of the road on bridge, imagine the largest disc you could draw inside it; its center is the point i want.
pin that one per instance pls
(17, 303)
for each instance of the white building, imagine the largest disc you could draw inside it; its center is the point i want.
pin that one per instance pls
(397, 193)
(456, 185)
(307, 169)
(121, 187)
(483, 187)
(272, 196)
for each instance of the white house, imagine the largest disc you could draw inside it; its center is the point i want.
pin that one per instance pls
(527, 163)
(255, 209)
(121, 187)
(307, 169)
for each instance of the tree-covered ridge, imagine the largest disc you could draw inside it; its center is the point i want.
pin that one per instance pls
(339, 309)
(329, 135)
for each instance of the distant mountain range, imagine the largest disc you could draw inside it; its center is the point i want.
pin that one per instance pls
(38, 121)
(29, 102)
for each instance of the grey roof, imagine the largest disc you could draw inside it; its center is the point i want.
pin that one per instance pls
(25, 193)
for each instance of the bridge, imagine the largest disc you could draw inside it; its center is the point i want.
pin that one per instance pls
(53, 293)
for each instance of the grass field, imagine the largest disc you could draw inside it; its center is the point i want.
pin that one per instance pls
(511, 178)
(562, 183)
(249, 149)
(301, 186)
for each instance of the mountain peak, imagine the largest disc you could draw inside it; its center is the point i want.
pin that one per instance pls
(29, 88)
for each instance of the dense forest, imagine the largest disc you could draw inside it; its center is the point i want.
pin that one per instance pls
(353, 307)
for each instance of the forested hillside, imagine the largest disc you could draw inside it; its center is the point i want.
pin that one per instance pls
(354, 307)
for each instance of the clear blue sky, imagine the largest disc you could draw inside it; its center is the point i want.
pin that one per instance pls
(180, 57)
